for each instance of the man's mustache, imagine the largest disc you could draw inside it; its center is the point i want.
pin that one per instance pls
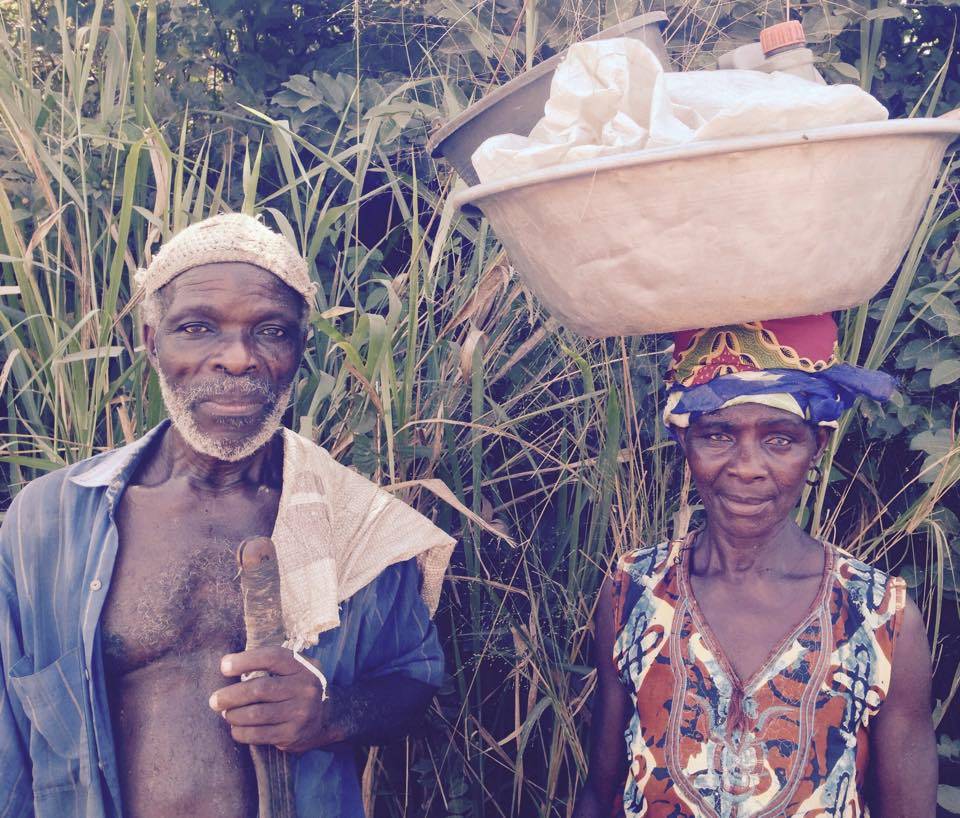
(237, 387)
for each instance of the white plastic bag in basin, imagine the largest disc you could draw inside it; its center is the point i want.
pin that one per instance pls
(613, 96)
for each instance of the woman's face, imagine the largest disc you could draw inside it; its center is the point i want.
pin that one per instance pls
(749, 463)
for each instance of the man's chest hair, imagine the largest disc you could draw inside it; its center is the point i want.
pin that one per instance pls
(175, 586)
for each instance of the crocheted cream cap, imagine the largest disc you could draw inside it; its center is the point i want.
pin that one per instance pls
(228, 237)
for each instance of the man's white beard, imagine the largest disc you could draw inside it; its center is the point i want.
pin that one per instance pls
(179, 409)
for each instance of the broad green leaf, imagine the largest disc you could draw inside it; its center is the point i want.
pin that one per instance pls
(846, 70)
(301, 84)
(885, 12)
(936, 442)
(912, 575)
(944, 372)
(946, 310)
(948, 797)
(948, 748)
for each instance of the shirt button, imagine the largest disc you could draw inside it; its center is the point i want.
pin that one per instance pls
(96, 585)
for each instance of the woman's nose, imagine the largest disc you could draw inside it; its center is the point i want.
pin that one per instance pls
(746, 462)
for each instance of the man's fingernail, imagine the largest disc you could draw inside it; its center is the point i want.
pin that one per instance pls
(213, 702)
(226, 666)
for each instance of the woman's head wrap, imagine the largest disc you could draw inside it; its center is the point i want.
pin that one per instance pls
(790, 364)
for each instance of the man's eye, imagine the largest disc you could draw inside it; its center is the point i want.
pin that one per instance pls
(717, 437)
(274, 332)
(779, 440)
(194, 329)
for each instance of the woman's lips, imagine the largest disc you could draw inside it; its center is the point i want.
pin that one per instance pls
(744, 506)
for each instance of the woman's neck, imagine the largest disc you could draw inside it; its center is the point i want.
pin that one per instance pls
(776, 550)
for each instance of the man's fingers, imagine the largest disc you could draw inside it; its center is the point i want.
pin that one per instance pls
(253, 691)
(277, 734)
(273, 659)
(258, 715)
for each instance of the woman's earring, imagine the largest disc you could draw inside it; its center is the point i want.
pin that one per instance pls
(817, 475)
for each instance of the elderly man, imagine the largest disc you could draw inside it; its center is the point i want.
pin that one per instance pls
(121, 629)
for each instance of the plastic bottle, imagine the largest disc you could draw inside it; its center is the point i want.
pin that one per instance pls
(782, 47)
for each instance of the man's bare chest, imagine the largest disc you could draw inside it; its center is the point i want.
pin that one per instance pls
(174, 589)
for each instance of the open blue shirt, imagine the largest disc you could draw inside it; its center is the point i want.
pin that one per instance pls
(58, 544)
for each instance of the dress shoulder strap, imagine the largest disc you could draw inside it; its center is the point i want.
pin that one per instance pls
(875, 604)
(640, 569)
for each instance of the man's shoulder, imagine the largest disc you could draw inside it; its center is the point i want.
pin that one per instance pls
(303, 455)
(42, 489)
(38, 507)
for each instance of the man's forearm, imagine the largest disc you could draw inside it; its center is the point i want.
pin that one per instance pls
(375, 711)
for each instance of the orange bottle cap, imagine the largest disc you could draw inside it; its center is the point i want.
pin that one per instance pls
(782, 35)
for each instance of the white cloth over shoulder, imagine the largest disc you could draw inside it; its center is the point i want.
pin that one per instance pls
(613, 96)
(336, 532)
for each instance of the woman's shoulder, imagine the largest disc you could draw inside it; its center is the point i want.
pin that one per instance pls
(877, 594)
(648, 561)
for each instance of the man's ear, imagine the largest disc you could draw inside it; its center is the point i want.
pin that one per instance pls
(680, 433)
(150, 344)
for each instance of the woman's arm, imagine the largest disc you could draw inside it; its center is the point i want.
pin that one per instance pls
(610, 716)
(903, 747)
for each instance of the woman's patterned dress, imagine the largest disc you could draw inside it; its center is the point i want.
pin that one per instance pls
(790, 741)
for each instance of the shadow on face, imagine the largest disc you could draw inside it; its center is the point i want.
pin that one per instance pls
(749, 463)
(227, 347)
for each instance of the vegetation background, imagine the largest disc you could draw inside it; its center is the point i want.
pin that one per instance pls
(429, 367)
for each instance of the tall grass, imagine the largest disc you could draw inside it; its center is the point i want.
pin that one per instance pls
(436, 375)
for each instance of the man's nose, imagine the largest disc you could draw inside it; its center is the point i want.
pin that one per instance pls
(235, 355)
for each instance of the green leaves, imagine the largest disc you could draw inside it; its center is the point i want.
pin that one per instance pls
(342, 107)
(924, 353)
(942, 451)
(948, 797)
(944, 372)
(306, 93)
(937, 309)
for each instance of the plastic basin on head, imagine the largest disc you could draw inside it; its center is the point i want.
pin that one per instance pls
(744, 229)
(518, 105)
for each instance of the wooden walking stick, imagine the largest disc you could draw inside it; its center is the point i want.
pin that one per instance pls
(263, 619)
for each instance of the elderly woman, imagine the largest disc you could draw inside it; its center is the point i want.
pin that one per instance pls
(752, 669)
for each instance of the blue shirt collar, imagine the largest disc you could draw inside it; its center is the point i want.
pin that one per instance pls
(117, 464)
